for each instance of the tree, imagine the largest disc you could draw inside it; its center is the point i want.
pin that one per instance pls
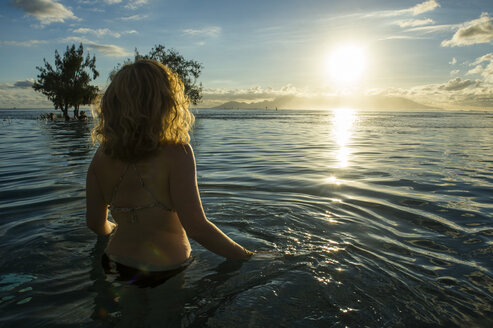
(188, 70)
(68, 84)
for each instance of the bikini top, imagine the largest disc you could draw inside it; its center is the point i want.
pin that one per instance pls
(132, 210)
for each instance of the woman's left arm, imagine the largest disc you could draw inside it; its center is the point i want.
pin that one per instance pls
(96, 207)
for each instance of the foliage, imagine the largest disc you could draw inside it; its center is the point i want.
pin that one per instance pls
(67, 85)
(188, 70)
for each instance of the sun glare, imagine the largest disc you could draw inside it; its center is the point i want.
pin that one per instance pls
(343, 120)
(347, 64)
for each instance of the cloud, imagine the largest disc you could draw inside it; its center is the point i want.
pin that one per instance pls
(214, 97)
(207, 31)
(456, 93)
(424, 7)
(110, 50)
(112, 2)
(418, 9)
(28, 83)
(458, 84)
(28, 43)
(482, 59)
(24, 84)
(102, 32)
(455, 72)
(401, 37)
(476, 70)
(46, 11)
(485, 71)
(433, 28)
(99, 32)
(414, 22)
(473, 32)
(134, 17)
(453, 61)
(134, 4)
(23, 98)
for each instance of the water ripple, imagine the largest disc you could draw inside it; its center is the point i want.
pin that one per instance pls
(371, 220)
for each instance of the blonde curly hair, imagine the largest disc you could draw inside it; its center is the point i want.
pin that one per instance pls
(143, 108)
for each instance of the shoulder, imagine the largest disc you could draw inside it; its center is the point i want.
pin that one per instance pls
(101, 163)
(177, 152)
(180, 157)
(98, 159)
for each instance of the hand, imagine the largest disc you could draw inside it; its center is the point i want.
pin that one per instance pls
(112, 226)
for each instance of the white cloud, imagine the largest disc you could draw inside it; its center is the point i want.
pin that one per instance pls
(110, 50)
(433, 28)
(134, 17)
(418, 9)
(414, 22)
(5, 85)
(476, 70)
(23, 98)
(473, 32)
(401, 37)
(424, 7)
(21, 94)
(111, 2)
(214, 97)
(28, 43)
(254, 93)
(458, 84)
(456, 93)
(27, 83)
(455, 72)
(453, 61)
(482, 59)
(485, 71)
(99, 32)
(207, 31)
(134, 4)
(46, 11)
(96, 10)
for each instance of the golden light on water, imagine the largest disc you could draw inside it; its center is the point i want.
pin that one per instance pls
(346, 64)
(333, 180)
(342, 124)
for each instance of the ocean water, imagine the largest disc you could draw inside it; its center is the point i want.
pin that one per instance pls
(373, 219)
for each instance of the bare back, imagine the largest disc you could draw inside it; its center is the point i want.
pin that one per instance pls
(138, 195)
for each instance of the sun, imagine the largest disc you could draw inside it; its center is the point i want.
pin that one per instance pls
(346, 64)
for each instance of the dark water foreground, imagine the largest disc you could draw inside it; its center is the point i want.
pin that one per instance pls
(377, 219)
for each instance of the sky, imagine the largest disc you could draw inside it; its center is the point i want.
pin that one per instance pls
(435, 52)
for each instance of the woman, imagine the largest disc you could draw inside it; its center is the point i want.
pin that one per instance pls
(144, 173)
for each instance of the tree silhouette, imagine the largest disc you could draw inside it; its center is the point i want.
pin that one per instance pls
(188, 70)
(67, 85)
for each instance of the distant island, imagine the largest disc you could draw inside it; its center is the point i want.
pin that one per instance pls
(366, 102)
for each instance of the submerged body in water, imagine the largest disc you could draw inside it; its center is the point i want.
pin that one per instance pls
(381, 219)
(142, 127)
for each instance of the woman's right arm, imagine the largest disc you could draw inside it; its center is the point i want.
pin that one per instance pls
(186, 201)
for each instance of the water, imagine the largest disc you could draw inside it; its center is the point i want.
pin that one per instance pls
(378, 219)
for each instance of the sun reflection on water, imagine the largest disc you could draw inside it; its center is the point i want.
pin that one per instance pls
(333, 180)
(343, 120)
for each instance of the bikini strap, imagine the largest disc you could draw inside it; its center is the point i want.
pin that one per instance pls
(141, 181)
(115, 189)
